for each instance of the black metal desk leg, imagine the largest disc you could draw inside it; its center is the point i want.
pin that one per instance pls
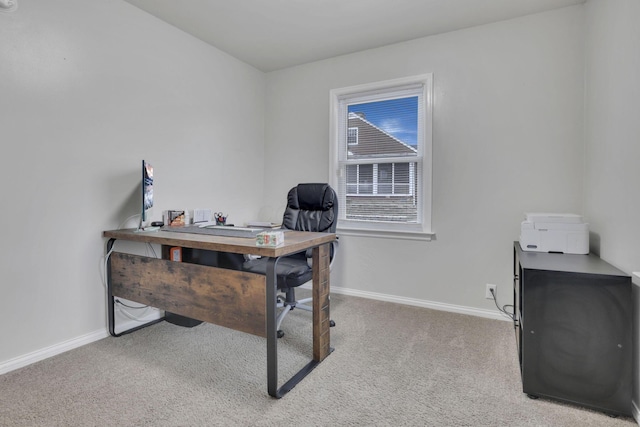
(110, 299)
(272, 340)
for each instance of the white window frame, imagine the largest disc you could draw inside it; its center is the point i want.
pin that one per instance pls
(421, 230)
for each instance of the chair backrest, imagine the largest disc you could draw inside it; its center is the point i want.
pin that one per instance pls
(311, 207)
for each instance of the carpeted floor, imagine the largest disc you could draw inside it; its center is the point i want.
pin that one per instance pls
(393, 365)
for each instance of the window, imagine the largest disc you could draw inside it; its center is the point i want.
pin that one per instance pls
(381, 157)
(352, 136)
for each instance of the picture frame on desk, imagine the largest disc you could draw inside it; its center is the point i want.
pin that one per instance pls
(176, 218)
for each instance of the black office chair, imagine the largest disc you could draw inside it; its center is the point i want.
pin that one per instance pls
(310, 207)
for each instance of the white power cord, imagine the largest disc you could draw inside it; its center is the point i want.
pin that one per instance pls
(120, 306)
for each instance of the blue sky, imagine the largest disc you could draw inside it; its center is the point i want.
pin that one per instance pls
(398, 117)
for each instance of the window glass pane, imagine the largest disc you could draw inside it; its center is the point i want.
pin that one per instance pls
(385, 178)
(365, 179)
(387, 128)
(384, 128)
(401, 173)
(402, 179)
(352, 179)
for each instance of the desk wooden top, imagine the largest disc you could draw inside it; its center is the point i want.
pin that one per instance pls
(294, 241)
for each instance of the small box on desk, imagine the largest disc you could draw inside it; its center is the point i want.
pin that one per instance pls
(270, 238)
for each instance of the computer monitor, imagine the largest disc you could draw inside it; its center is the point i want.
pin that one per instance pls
(147, 193)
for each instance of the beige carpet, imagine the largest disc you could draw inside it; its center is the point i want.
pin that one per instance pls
(393, 365)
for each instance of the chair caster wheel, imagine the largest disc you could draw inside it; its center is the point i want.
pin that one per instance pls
(280, 334)
(532, 396)
(332, 323)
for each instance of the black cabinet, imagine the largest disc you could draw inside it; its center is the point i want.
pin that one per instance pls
(573, 321)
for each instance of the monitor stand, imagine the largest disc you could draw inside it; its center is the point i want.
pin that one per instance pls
(147, 229)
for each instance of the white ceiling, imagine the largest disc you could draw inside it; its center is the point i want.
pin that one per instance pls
(275, 34)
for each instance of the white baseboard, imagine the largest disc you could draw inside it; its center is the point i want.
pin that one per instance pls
(45, 353)
(489, 314)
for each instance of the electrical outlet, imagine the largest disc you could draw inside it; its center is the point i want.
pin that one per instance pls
(487, 293)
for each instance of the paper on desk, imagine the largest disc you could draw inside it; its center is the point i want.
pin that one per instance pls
(262, 224)
(200, 215)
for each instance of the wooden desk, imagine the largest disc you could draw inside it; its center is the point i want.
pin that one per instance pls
(234, 299)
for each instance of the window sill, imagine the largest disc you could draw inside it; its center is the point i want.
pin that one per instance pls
(385, 234)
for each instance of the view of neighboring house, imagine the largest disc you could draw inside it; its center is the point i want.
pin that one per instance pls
(381, 185)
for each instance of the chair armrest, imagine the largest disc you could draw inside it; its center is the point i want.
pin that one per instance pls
(334, 250)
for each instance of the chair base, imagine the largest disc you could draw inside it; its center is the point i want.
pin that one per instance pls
(288, 302)
(179, 320)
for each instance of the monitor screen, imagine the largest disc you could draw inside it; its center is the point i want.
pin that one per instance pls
(147, 190)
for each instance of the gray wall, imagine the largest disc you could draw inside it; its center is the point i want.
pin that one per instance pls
(507, 139)
(612, 131)
(88, 89)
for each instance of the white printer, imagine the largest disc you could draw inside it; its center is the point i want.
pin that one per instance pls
(549, 232)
